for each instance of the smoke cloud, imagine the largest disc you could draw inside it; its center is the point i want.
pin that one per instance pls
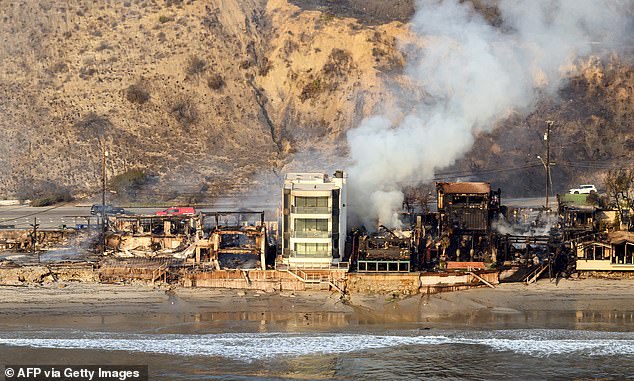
(472, 74)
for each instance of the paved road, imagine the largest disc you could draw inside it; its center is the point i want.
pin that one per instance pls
(530, 202)
(54, 217)
(21, 216)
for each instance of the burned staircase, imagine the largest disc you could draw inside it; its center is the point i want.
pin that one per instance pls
(535, 274)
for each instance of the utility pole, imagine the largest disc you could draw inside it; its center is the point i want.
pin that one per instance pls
(32, 195)
(34, 238)
(549, 125)
(103, 195)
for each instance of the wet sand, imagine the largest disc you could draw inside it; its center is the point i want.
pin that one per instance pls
(196, 334)
(571, 304)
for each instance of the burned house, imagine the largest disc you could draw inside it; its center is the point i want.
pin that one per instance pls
(149, 234)
(238, 244)
(577, 216)
(467, 207)
(384, 251)
(581, 215)
(466, 213)
(313, 219)
(615, 252)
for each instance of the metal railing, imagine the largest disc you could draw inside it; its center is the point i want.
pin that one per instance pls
(309, 266)
(311, 234)
(311, 209)
(341, 265)
(383, 266)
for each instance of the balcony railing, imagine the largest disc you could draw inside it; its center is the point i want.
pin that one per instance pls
(311, 210)
(312, 254)
(311, 234)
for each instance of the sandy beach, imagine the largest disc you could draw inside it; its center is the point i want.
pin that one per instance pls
(596, 303)
(515, 331)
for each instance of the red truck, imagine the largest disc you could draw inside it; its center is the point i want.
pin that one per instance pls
(177, 211)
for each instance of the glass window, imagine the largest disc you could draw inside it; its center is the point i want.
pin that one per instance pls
(311, 248)
(311, 224)
(311, 202)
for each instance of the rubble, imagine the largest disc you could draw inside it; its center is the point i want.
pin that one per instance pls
(470, 236)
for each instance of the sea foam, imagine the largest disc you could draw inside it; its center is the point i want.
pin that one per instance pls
(255, 346)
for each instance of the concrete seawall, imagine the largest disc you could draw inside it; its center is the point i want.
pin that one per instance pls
(263, 280)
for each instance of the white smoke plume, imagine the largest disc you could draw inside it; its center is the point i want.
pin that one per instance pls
(472, 74)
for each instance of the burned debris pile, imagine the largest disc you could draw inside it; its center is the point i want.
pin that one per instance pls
(235, 245)
(151, 235)
(466, 213)
(467, 232)
(386, 250)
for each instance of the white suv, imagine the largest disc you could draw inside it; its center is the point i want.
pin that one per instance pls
(583, 189)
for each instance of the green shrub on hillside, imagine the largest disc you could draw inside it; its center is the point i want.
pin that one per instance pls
(44, 193)
(52, 199)
(129, 182)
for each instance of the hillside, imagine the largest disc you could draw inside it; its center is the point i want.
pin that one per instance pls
(219, 97)
(201, 96)
(593, 116)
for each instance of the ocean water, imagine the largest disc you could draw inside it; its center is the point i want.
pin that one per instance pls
(383, 354)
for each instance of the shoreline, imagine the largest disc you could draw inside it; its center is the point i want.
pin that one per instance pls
(571, 304)
(189, 333)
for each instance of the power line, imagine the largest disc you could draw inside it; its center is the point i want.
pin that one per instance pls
(593, 165)
(440, 176)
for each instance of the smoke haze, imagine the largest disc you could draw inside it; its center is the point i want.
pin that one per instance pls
(472, 74)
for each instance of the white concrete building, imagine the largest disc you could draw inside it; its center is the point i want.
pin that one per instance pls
(313, 219)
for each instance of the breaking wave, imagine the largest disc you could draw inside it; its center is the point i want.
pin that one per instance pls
(255, 346)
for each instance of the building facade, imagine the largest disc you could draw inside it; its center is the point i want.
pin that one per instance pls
(313, 219)
(466, 214)
(616, 253)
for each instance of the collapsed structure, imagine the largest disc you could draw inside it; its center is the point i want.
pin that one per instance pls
(466, 212)
(386, 250)
(580, 214)
(132, 234)
(235, 246)
(469, 240)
